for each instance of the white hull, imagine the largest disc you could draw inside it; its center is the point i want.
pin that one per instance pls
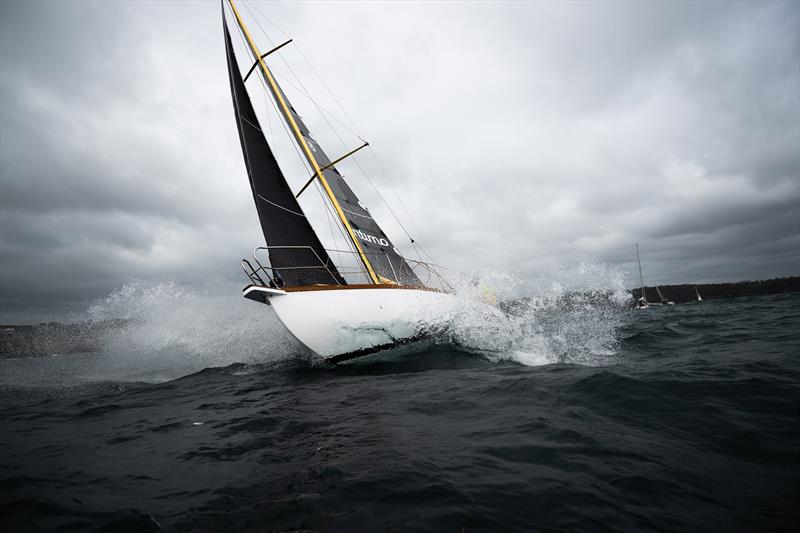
(345, 323)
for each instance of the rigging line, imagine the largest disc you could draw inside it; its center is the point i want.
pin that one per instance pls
(399, 198)
(385, 174)
(269, 120)
(388, 206)
(342, 232)
(274, 106)
(402, 204)
(304, 90)
(247, 155)
(228, 52)
(330, 214)
(322, 81)
(287, 133)
(336, 133)
(391, 186)
(269, 116)
(296, 77)
(303, 141)
(355, 129)
(323, 111)
(325, 114)
(330, 227)
(325, 201)
(383, 199)
(347, 241)
(416, 250)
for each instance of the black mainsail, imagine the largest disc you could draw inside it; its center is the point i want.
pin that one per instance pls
(282, 219)
(380, 258)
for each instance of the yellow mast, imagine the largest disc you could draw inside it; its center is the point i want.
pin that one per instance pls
(301, 140)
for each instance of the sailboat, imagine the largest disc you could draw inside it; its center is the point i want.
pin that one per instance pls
(641, 302)
(393, 301)
(664, 301)
(697, 292)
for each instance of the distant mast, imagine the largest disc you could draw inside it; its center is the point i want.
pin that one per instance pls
(660, 296)
(641, 276)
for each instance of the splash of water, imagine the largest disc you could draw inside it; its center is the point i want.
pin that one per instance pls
(157, 331)
(571, 315)
(164, 326)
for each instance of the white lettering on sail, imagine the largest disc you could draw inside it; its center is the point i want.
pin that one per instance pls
(311, 143)
(370, 238)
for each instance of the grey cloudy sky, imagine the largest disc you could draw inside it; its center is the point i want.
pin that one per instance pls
(520, 135)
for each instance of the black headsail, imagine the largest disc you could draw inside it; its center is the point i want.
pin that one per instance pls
(380, 258)
(282, 219)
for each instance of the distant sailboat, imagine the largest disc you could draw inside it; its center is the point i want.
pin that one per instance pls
(697, 292)
(393, 300)
(664, 301)
(641, 302)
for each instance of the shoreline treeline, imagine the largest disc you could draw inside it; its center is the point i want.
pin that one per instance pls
(715, 291)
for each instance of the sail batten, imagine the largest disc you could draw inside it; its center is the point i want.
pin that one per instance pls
(296, 254)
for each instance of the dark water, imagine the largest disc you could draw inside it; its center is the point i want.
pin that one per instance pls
(690, 423)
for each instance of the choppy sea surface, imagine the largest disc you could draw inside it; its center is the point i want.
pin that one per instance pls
(596, 417)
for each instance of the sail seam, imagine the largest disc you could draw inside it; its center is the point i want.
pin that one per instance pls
(251, 124)
(281, 207)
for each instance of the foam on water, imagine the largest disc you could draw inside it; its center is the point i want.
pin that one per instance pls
(571, 315)
(566, 316)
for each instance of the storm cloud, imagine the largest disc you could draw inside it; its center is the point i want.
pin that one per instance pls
(519, 135)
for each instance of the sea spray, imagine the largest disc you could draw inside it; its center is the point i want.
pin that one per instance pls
(569, 315)
(154, 331)
(166, 326)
